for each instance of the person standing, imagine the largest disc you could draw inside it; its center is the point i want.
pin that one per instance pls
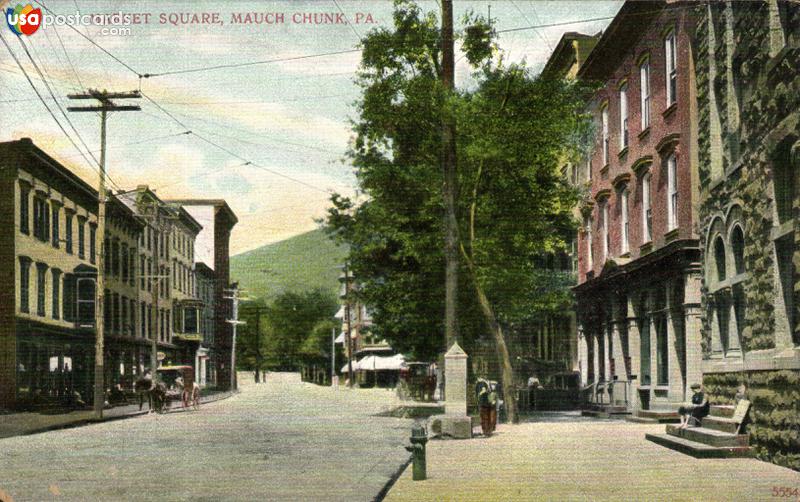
(487, 406)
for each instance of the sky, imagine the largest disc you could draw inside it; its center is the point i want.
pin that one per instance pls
(269, 138)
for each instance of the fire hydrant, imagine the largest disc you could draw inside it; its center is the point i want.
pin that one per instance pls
(419, 436)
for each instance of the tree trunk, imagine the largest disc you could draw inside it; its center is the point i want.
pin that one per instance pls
(449, 188)
(509, 389)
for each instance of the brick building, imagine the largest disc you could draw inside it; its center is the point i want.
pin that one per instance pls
(638, 292)
(748, 96)
(213, 249)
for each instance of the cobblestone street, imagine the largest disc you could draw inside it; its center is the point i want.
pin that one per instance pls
(283, 440)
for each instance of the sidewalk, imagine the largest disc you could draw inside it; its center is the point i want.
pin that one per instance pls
(20, 424)
(564, 458)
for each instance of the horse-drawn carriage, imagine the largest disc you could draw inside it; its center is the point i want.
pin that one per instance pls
(172, 383)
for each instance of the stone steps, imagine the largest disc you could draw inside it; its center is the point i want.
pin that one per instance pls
(605, 411)
(699, 450)
(710, 437)
(722, 410)
(655, 417)
(721, 424)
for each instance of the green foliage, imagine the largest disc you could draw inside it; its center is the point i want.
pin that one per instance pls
(290, 329)
(305, 262)
(513, 206)
(775, 414)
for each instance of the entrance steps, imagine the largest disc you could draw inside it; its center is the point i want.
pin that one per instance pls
(655, 417)
(717, 437)
(605, 411)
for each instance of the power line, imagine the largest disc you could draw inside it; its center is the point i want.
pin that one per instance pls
(538, 33)
(112, 56)
(14, 56)
(231, 152)
(58, 105)
(250, 63)
(358, 37)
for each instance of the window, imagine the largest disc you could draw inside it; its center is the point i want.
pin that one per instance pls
(69, 297)
(81, 237)
(606, 241)
(115, 268)
(124, 262)
(605, 135)
(671, 70)
(719, 258)
(56, 212)
(672, 182)
(92, 243)
(24, 208)
(24, 284)
(143, 320)
(41, 219)
(132, 267)
(644, 74)
(142, 271)
(56, 293)
(647, 211)
(737, 245)
(41, 289)
(107, 256)
(625, 223)
(68, 232)
(589, 168)
(623, 117)
(589, 246)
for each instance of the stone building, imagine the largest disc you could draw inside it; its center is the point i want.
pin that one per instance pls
(638, 292)
(748, 95)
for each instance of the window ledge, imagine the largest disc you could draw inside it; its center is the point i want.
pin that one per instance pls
(672, 234)
(604, 169)
(716, 183)
(735, 167)
(646, 247)
(670, 110)
(644, 133)
(623, 153)
(626, 254)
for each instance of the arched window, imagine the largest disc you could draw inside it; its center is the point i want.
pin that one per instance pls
(737, 245)
(719, 258)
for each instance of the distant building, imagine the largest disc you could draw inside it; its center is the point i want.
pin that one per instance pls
(213, 250)
(206, 371)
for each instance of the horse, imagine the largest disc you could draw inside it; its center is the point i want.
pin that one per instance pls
(144, 387)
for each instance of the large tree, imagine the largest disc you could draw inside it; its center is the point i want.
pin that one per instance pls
(512, 204)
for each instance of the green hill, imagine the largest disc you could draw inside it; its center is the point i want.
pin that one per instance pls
(306, 261)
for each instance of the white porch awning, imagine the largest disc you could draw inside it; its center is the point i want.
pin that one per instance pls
(340, 338)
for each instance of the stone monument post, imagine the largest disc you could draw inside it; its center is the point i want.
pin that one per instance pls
(455, 422)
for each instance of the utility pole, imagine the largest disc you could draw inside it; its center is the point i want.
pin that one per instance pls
(235, 298)
(349, 330)
(105, 106)
(333, 358)
(259, 374)
(449, 172)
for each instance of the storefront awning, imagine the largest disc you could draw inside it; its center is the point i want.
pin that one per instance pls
(340, 313)
(340, 338)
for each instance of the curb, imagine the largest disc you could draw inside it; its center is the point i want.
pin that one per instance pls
(392, 480)
(91, 421)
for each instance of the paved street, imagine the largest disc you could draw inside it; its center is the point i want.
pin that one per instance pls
(283, 440)
(566, 457)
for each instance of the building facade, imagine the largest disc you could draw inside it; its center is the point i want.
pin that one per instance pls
(638, 292)
(213, 249)
(747, 55)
